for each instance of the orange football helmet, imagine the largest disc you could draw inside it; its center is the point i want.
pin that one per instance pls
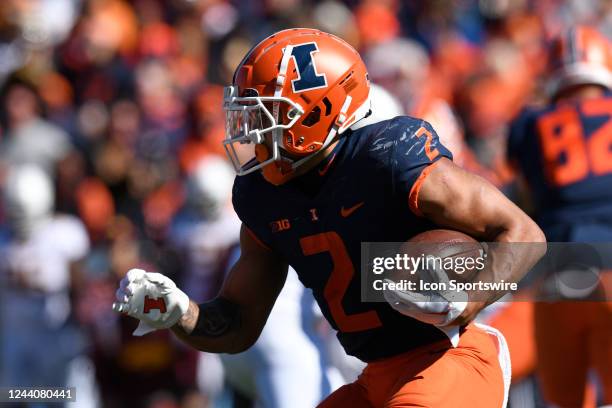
(579, 56)
(291, 96)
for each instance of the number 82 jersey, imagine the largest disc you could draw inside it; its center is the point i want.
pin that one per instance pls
(564, 152)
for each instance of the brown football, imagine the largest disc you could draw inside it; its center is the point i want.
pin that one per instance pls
(447, 244)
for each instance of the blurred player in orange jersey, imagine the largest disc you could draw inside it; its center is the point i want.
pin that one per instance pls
(564, 152)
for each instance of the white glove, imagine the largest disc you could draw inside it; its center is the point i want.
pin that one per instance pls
(151, 298)
(438, 308)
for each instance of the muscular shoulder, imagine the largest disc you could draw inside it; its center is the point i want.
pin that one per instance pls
(401, 139)
(401, 148)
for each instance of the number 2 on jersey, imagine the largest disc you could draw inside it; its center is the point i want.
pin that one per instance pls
(562, 135)
(339, 281)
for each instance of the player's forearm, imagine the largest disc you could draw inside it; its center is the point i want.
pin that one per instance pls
(525, 243)
(214, 327)
(516, 243)
(516, 249)
(233, 321)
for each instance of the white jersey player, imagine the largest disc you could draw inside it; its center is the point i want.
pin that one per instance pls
(35, 271)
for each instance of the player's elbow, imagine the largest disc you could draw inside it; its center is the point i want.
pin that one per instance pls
(239, 349)
(527, 231)
(230, 344)
(518, 227)
(531, 232)
(242, 344)
(537, 236)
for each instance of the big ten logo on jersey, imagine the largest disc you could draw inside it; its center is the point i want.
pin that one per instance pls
(576, 141)
(280, 225)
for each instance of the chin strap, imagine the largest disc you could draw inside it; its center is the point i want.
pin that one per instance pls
(277, 134)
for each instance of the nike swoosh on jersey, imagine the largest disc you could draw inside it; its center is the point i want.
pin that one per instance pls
(345, 212)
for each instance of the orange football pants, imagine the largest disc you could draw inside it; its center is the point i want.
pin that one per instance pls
(571, 338)
(433, 376)
(515, 321)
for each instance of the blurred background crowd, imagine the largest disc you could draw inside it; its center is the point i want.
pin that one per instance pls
(110, 154)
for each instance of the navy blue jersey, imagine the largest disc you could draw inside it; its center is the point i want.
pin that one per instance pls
(317, 222)
(565, 153)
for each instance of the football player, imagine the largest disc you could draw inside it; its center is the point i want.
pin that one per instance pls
(36, 275)
(310, 188)
(563, 150)
(296, 352)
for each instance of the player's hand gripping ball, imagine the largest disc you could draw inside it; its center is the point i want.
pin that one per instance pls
(443, 306)
(151, 298)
